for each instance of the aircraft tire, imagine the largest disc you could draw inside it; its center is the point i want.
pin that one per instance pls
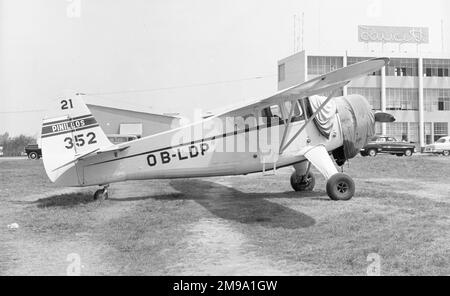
(340, 187)
(446, 153)
(299, 183)
(101, 194)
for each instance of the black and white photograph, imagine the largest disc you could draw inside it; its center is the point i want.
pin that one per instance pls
(202, 139)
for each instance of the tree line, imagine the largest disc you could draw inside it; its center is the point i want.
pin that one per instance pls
(15, 146)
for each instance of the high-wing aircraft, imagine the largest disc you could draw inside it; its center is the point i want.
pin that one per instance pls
(294, 127)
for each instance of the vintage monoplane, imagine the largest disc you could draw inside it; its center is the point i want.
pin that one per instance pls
(295, 127)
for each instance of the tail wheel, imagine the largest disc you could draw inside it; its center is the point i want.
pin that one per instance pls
(408, 153)
(303, 183)
(340, 187)
(446, 153)
(372, 152)
(101, 194)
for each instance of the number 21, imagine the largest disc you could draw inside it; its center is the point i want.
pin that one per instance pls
(66, 104)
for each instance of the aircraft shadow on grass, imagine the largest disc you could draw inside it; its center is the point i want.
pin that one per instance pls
(222, 201)
(231, 204)
(248, 208)
(65, 200)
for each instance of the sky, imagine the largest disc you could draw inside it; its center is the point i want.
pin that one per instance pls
(187, 54)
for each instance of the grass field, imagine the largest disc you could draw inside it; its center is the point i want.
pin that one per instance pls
(252, 225)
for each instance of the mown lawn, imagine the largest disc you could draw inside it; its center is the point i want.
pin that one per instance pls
(231, 225)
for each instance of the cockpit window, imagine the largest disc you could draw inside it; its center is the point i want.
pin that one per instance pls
(297, 115)
(275, 109)
(271, 114)
(442, 140)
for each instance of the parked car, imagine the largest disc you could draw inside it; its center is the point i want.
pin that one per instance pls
(383, 144)
(33, 151)
(441, 146)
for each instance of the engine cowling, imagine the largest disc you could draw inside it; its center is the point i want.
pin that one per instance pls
(357, 123)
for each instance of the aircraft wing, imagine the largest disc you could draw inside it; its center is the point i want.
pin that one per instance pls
(324, 83)
(331, 80)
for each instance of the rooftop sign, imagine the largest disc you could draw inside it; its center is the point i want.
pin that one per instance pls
(386, 34)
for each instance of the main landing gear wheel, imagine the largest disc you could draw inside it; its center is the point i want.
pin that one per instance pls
(303, 183)
(340, 187)
(101, 194)
(446, 153)
(33, 155)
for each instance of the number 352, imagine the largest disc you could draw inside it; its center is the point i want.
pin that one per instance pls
(80, 141)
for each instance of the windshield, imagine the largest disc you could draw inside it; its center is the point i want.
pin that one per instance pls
(441, 140)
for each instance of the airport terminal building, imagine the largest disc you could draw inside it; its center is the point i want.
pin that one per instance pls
(414, 87)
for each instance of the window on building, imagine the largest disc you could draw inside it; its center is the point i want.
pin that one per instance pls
(398, 130)
(436, 99)
(354, 60)
(443, 104)
(436, 67)
(401, 71)
(402, 99)
(337, 93)
(402, 67)
(442, 72)
(378, 129)
(373, 95)
(413, 132)
(440, 130)
(281, 72)
(323, 65)
(427, 133)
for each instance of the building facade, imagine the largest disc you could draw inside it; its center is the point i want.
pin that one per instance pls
(414, 87)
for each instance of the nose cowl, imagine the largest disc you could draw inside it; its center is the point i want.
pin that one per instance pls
(357, 123)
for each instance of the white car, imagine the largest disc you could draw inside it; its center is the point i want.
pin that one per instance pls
(442, 146)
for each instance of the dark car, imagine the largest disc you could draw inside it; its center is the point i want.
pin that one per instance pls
(383, 144)
(33, 151)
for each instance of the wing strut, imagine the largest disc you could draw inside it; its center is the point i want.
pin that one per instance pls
(288, 123)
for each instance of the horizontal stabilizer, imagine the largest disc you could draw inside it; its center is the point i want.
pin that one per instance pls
(113, 148)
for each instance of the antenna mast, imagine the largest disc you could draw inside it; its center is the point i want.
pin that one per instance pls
(303, 30)
(298, 33)
(442, 35)
(295, 33)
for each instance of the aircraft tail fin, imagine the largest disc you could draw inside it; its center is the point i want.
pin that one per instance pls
(69, 132)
